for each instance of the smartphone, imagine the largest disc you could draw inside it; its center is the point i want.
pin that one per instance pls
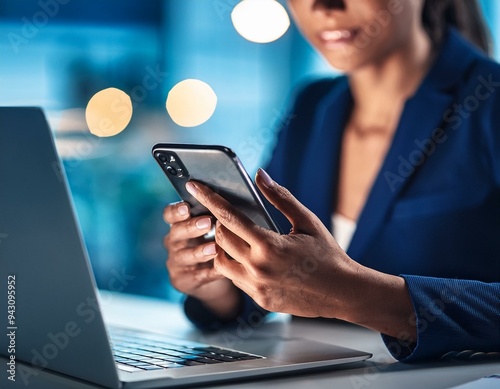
(219, 168)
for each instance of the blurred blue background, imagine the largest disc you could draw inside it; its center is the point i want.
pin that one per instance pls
(57, 53)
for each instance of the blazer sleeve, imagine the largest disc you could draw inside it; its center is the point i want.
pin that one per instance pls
(453, 318)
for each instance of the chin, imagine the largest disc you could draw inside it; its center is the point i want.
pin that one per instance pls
(344, 65)
(348, 61)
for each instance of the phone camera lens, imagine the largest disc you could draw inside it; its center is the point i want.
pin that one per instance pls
(162, 157)
(171, 170)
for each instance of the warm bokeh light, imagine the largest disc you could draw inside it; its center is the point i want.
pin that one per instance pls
(108, 112)
(191, 102)
(260, 21)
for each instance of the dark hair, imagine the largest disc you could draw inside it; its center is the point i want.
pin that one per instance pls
(464, 15)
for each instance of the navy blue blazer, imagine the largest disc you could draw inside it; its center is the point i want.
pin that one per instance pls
(433, 213)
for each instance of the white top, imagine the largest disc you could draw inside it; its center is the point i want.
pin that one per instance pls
(343, 230)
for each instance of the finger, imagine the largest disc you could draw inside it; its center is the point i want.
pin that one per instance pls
(301, 218)
(229, 268)
(223, 211)
(231, 243)
(187, 282)
(176, 212)
(196, 255)
(189, 229)
(175, 268)
(234, 271)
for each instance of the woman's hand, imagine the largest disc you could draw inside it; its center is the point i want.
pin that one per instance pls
(305, 272)
(190, 262)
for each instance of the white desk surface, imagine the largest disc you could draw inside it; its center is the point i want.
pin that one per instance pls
(381, 371)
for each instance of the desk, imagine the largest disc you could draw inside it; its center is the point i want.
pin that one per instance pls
(381, 371)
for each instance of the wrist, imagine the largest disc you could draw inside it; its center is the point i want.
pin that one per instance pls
(225, 306)
(346, 297)
(376, 300)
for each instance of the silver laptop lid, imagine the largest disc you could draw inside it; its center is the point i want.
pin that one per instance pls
(55, 323)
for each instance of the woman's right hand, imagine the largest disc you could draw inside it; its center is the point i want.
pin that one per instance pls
(190, 262)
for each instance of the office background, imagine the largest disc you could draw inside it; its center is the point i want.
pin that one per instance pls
(58, 53)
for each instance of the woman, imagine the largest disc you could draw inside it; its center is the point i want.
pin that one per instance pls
(400, 158)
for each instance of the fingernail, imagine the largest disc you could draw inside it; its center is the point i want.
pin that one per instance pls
(183, 210)
(266, 178)
(191, 188)
(209, 249)
(204, 223)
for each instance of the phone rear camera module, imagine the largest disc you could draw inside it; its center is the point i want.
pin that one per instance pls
(172, 170)
(161, 157)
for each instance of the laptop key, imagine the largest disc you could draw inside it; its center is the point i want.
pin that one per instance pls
(248, 358)
(209, 361)
(140, 357)
(127, 368)
(152, 367)
(209, 349)
(136, 363)
(172, 359)
(169, 364)
(192, 363)
(223, 358)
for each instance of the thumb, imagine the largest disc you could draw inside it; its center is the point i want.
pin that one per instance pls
(301, 218)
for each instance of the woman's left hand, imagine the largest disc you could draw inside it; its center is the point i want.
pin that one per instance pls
(304, 273)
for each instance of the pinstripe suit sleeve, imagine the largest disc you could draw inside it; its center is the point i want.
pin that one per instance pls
(451, 316)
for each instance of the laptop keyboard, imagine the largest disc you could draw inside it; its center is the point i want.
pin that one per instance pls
(136, 351)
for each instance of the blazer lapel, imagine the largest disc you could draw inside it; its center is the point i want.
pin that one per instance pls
(321, 162)
(422, 115)
(403, 159)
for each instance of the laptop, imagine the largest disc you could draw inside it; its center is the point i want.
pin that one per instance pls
(54, 321)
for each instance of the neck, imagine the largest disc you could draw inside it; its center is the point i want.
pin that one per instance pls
(381, 89)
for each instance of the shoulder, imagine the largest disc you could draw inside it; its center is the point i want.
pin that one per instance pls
(472, 78)
(479, 103)
(481, 76)
(484, 72)
(480, 92)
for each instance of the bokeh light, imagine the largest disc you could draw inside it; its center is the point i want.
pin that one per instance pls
(108, 112)
(260, 21)
(191, 102)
